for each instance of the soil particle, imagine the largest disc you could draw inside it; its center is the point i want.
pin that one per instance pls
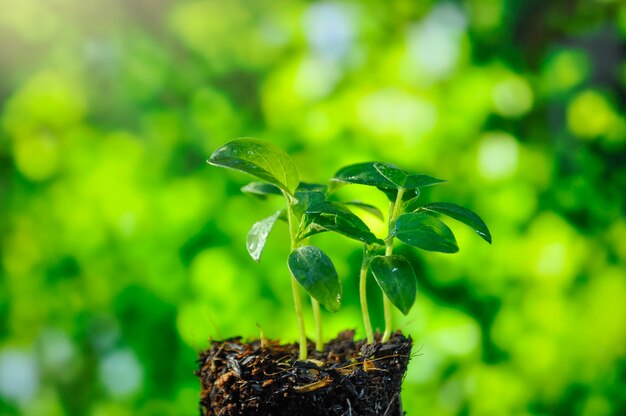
(348, 378)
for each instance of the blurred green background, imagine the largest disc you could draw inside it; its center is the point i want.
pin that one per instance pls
(122, 251)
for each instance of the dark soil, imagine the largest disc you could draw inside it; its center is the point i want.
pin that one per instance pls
(265, 378)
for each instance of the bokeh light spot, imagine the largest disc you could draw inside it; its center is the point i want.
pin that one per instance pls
(498, 155)
(512, 97)
(19, 375)
(315, 79)
(121, 373)
(435, 43)
(555, 250)
(58, 353)
(565, 70)
(551, 259)
(37, 156)
(394, 112)
(329, 29)
(589, 115)
(48, 100)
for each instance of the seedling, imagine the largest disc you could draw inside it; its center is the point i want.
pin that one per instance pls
(408, 221)
(308, 212)
(310, 267)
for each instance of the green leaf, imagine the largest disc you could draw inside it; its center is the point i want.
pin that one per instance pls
(422, 230)
(258, 158)
(306, 197)
(311, 187)
(260, 189)
(363, 174)
(463, 215)
(384, 176)
(392, 173)
(367, 208)
(415, 181)
(403, 179)
(333, 216)
(396, 278)
(314, 270)
(257, 237)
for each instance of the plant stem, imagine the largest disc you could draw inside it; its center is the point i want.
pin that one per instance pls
(300, 316)
(293, 230)
(319, 344)
(386, 301)
(363, 296)
(394, 212)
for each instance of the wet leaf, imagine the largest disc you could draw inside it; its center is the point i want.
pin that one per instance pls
(363, 174)
(258, 158)
(314, 270)
(415, 181)
(396, 278)
(333, 216)
(422, 230)
(385, 176)
(403, 179)
(261, 189)
(311, 187)
(307, 196)
(257, 237)
(463, 215)
(392, 173)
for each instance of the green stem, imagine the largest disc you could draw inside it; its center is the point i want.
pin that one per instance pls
(319, 344)
(363, 296)
(300, 317)
(386, 301)
(295, 290)
(394, 212)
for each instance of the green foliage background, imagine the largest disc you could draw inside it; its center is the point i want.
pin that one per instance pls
(122, 252)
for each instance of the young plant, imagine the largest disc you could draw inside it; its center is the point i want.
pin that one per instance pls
(408, 221)
(310, 267)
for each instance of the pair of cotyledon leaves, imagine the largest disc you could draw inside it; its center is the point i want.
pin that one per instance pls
(311, 267)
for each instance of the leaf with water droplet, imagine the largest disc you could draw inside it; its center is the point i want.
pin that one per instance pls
(385, 176)
(392, 173)
(308, 195)
(311, 187)
(314, 270)
(360, 173)
(424, 231)
(258, 158)
(396, 277)
(257, 237)
(403, 179)
(333, 216)
(463, 215)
